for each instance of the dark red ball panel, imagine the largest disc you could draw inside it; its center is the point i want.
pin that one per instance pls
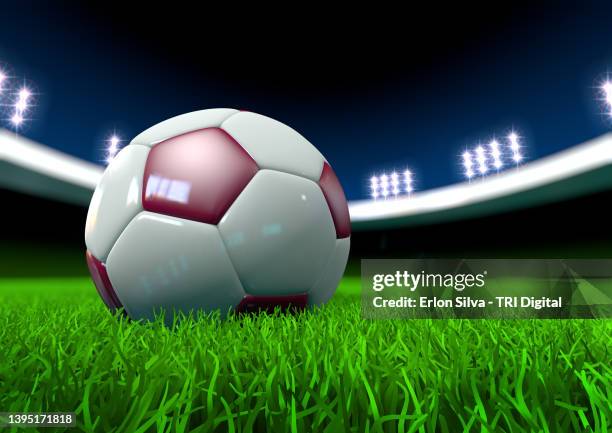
(102, 282)
(254, 304)
(196, 175)
(336, 200)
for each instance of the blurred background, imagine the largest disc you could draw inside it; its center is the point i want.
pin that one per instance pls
(375, 90)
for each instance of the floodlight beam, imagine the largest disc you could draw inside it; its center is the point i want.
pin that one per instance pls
(374, 187)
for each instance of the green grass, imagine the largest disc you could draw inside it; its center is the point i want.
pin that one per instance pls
(328, 370)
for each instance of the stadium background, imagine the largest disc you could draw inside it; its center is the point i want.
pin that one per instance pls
(412, 94)
(412, 91)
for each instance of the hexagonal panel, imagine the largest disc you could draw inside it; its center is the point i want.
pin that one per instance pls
(334, 195)
(274, 145)
(187, 122)
(161, 262)
(196, 175)
(326, 285)
(116, 200)
(279, 234)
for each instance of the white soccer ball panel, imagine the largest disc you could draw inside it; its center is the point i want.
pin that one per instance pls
(279, 234)
(182, 124)
(326, 285)
(274, 145)
(162, 262)
(116, 200)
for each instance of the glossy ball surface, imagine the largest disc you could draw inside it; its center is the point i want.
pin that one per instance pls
(217, 210)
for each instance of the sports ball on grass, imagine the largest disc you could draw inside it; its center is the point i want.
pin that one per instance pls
(217, 210)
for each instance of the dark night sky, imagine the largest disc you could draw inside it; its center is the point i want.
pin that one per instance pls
(374, 91)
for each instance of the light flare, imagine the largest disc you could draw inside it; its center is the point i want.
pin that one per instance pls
(408, 182)
(496, 154)
(481, 158)
(607, 91)
(374, 187)
(395, 184)
(515, 147)
(17, 119)
(468, 164)
(391, 185)
(384, 185)
(113, 148)
(21, 106)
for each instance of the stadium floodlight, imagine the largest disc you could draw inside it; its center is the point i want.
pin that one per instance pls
(468, 164)
(113, 145)
(384, 185)
(408, 182)
(113, 148)
(481, 158)
(607, 90)
(21, 106)
(17, 119)
(395, 184)
(3, 78)
(24, 94)
(465, 201)
(374, 187)
(515, 147)
(496, 154)
(22, 100)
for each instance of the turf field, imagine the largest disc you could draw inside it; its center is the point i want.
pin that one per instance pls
(327, 370)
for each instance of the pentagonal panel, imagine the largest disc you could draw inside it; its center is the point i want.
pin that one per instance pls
(336, 200)
(274, 145)
(279, 234)
(105, 289)
(326, 285)
(116, 200)
(196, 175)
(160, 262)
(181, 124)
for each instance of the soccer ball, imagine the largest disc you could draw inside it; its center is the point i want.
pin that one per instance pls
(217, 210)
